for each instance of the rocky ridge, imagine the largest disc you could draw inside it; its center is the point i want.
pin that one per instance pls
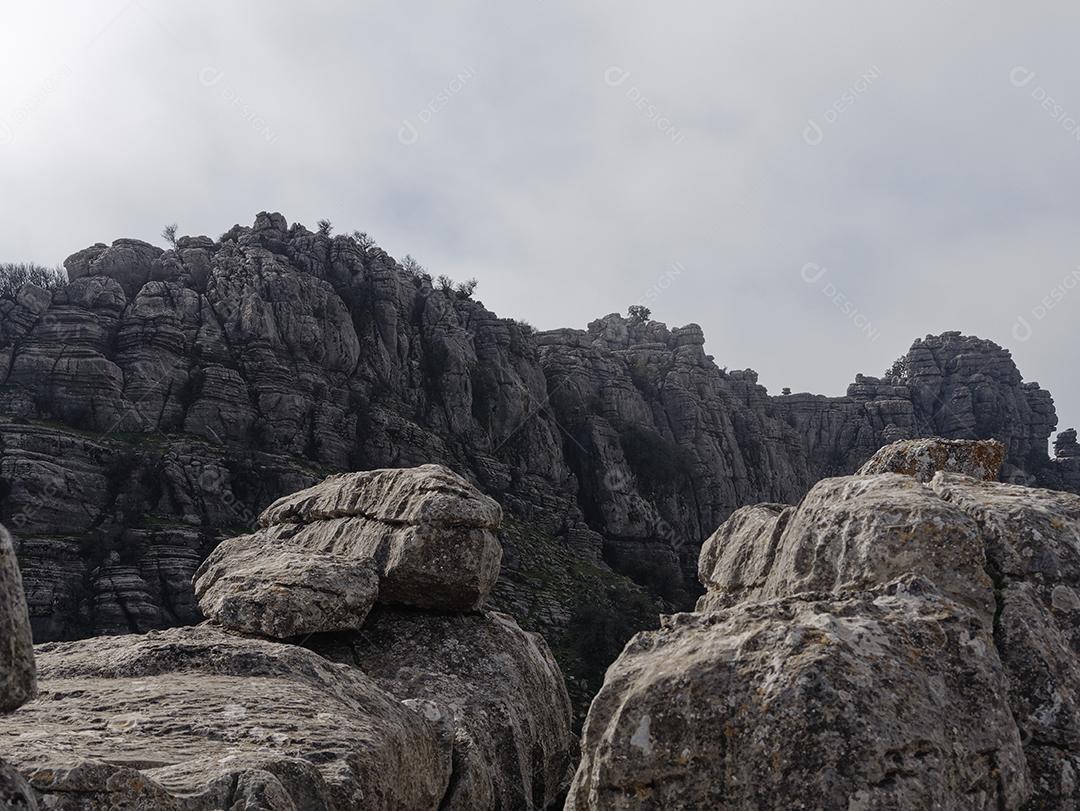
(158, 402)
(444, 706)
(886, 643)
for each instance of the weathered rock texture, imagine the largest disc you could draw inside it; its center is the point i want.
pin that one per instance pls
(198, 711)
(17, 674)
(162, 399)
(496, 688)
(922, 458)
(405, 708)
(885, 644)
(428, 532)
(251, 585)
(422, 537)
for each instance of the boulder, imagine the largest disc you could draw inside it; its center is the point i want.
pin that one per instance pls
(922, 458)
(496, 687)
(249, 586)
(890, 698)
(849, 533)
(428, 532)
(1032, 540)
(18, 683)
(886, 644)
(18, 677)
(196, 718)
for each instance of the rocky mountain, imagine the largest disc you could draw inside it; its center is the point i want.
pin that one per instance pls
(158, 401)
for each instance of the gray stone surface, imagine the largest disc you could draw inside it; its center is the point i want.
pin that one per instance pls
(428, 533)
(250, 585)
(161, 400)
(18, 676)
(416, 711)
(885, 644)
(922, 458)
(851, 533)
(496, 687)
(18, 681)
(892, 698)
(195, 718)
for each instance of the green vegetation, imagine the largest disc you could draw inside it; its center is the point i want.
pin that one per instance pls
(598, 610)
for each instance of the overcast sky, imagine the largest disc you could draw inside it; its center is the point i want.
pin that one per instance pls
(815, 184)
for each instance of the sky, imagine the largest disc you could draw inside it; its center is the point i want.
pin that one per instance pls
(817, 185)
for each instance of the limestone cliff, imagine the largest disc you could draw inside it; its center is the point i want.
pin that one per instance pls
(161, 399)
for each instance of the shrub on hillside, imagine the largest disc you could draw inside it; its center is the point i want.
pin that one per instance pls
(13, 275)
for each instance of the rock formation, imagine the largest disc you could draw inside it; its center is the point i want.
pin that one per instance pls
(157, 403)
(455, 708)
(18, 676)
(887, 643)
(421, 537)
(922, 458)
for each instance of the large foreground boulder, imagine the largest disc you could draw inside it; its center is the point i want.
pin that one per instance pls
(887, 643)
(892, 698)
(196, 709)
(18, 676)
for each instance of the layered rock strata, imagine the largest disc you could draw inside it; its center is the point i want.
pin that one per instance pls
(159, 401)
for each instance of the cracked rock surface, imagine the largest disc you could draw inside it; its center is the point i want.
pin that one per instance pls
(162, 399)
(18, 673)
(399, 708)
(887, 643)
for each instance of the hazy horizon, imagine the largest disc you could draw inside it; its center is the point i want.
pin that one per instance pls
(816, 187)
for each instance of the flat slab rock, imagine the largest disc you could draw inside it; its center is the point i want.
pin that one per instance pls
(417, 711)
(196, 718)
(422, 537)
(922, 458)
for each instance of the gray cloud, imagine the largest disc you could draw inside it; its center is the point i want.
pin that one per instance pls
(938, 194)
